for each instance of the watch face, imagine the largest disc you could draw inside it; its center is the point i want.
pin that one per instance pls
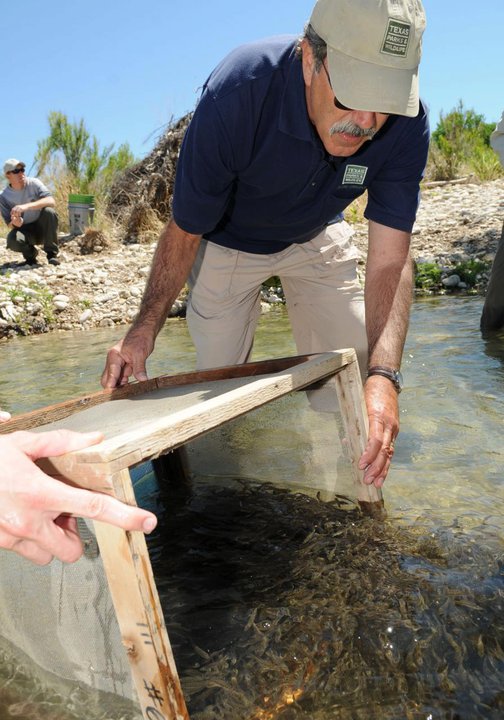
(399, 379)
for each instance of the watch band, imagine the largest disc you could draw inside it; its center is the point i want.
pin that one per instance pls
(394, 376)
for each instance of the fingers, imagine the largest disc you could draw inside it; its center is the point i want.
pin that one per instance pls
(49, 542)
(119, 368)
(137, 370)
(4, 416)
(379, 451)
(27, 549)
(56, 498)
(117, 371)
(35, 508)
(49, 531)
(98, 506)
(60, 539)
(383, 414)
(376, 459)
(54, 443)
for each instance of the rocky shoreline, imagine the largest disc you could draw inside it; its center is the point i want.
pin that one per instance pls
(456, 223)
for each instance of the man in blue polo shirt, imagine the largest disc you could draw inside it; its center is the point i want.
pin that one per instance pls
(286, 134)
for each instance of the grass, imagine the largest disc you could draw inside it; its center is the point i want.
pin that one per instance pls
(23, 300)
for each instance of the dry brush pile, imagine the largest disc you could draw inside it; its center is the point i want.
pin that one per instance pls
(140, 199)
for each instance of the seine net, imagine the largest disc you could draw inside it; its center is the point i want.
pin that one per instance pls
(61, 651)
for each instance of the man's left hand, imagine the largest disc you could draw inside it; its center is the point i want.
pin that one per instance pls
(383, 413)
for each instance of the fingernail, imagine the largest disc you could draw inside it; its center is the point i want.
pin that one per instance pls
(149, 524)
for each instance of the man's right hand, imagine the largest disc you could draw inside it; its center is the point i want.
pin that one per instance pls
(127, 358)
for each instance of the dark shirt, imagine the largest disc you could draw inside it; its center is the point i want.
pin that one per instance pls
(254, 175)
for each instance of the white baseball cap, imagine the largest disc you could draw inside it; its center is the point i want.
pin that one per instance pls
(11, 164)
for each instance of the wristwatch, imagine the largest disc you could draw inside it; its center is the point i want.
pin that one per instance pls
(394, 376)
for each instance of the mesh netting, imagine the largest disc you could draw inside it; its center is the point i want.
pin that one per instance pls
(62, 655)
(59, 624)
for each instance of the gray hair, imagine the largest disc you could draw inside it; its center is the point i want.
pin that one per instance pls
(317, 45)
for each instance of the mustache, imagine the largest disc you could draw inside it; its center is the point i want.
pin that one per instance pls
(347, 126)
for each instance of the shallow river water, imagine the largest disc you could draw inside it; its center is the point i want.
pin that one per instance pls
(280, 605)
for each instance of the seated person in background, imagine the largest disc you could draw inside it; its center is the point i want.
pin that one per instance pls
(492, 317)
(27, 206)
(36, 510)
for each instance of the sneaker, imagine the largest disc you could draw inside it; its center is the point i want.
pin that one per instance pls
(53, 260)
(30, 261)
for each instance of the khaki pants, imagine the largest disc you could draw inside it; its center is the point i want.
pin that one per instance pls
(325, 300)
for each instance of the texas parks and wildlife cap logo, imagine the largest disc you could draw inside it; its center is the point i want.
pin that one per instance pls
(396, 38)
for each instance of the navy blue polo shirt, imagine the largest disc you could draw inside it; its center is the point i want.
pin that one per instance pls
(254, 175)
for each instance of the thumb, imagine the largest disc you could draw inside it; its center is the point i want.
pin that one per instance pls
(140, 371)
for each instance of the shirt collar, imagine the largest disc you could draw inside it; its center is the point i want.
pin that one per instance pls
(293, 115)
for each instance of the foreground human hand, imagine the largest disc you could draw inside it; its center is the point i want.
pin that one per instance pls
(127, 358)
(35, 508)
(383, 413)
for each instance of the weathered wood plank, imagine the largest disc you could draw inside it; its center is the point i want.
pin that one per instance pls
(353, 410)
(168, 430)
(139, 615)
(58, 411)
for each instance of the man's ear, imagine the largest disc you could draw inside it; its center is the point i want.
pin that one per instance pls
(308, 61)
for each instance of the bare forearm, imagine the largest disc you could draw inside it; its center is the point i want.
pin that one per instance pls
(172, 262)
(42, 203)
(388, 294)
(388, 298)
(39, 204)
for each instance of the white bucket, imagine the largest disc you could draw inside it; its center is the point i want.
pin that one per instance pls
(81, 215)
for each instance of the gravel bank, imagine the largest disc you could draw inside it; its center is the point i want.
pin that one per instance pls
(456, 223)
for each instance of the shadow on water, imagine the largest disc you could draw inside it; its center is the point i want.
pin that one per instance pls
(494, 345)
(280, 606)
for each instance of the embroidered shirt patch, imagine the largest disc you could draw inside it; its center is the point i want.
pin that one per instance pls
(354, 175)
(396, 38)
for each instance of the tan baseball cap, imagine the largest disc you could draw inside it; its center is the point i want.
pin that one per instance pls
(373, 52)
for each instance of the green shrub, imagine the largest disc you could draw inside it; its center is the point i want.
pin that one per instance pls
(469, 270)
(460, 144)
(85, 161)
(427, 276)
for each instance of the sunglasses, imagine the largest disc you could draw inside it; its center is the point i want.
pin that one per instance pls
(16, 171)
(337, 103)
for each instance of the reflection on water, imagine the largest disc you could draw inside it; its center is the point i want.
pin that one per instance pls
(280, 606)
